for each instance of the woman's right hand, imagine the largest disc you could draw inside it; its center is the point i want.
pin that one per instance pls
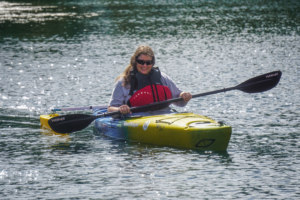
(124, 109)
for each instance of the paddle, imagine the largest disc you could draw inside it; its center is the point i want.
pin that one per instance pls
(77, 122)
(79, 108)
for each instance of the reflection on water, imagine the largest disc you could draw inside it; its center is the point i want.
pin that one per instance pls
(146, 150)
(155, 19)
(37, 21)
(22, 13)
(67, 54)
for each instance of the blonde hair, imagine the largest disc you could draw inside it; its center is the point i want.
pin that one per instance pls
(145, 50)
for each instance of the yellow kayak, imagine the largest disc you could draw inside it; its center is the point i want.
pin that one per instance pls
(184, 130)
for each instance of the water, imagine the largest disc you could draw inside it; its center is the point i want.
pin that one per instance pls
(67, 53)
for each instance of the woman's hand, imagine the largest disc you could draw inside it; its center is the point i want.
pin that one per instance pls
(124, 109)
(186, 96)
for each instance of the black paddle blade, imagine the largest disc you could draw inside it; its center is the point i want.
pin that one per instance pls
(70, 123)
(260, 83)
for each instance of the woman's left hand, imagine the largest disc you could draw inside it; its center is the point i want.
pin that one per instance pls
(186, 96)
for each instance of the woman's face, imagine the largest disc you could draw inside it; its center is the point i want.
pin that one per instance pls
(144, 64)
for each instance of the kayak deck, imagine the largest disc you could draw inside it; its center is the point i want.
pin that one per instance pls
(185, 130)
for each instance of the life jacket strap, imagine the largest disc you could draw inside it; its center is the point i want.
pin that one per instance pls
(133, 81)
(156, 93)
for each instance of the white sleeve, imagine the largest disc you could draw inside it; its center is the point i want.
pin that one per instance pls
(117, 97)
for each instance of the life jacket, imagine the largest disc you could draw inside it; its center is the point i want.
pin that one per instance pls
(149, 88)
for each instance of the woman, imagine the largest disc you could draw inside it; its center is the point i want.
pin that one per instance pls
(141, 84)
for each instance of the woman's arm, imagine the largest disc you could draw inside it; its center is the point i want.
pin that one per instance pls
(118, 97)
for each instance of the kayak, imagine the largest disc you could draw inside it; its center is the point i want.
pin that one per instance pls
(183, 130)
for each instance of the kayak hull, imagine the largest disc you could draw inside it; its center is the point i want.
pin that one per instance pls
(184, 130)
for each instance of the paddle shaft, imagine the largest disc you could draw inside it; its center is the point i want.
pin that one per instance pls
(79, 108)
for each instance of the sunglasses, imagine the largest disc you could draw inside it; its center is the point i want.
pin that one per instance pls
(142, 62)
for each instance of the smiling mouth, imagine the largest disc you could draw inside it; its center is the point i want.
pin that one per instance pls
(144, 68)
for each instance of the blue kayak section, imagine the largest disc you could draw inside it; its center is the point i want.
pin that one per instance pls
(110, 126)
(114, 126)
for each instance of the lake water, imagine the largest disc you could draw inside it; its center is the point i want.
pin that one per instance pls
(58, 53)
